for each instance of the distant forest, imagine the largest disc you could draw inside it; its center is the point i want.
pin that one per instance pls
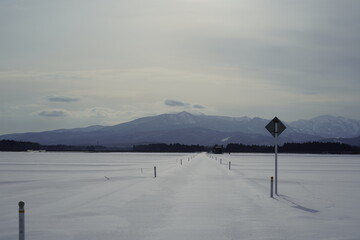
(18, 146)
(307, 147)
(15, 146)
(169, 148)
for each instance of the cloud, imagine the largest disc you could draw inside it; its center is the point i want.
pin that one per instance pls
(198, 106)
(62, 99)
(53, 113)
(175, 103)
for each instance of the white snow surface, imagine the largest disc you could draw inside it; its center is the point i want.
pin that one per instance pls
(87, 196)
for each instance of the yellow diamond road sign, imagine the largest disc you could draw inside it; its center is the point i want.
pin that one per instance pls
(275, 126)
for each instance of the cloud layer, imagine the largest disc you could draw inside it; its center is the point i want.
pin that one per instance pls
(91, 62)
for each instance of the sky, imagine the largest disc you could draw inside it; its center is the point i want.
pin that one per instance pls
(76, 63)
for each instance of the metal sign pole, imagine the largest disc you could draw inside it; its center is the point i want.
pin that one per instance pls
(276, 160)
(276, 127)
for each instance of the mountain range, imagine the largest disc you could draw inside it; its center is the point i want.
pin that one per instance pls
(187, 128)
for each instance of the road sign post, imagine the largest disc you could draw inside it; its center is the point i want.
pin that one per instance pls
(276, 157)
(276, 127)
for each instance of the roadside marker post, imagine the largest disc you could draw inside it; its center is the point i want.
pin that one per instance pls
(271, 186)
(154, 172)
(229, 165)
(276, 127)
(21, 220)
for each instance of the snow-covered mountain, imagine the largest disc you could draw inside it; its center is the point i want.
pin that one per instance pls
(328, 127)
(187, 128)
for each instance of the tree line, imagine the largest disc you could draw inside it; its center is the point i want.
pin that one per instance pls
(169, 148)
(20, 146)
(16, 146)
(307, 147)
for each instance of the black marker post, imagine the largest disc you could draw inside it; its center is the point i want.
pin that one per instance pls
(21, 220)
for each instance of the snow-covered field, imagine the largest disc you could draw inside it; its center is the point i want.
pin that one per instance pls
(87, 196)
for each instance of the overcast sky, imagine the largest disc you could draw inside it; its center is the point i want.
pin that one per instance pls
(75, 63)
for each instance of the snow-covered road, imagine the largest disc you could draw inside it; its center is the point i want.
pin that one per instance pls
(207, 201)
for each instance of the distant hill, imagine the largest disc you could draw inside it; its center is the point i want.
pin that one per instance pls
(187, 128)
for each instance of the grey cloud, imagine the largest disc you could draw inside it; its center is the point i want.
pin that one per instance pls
(198, 106)
(62, 99)
(175, 103)
(53, 113)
